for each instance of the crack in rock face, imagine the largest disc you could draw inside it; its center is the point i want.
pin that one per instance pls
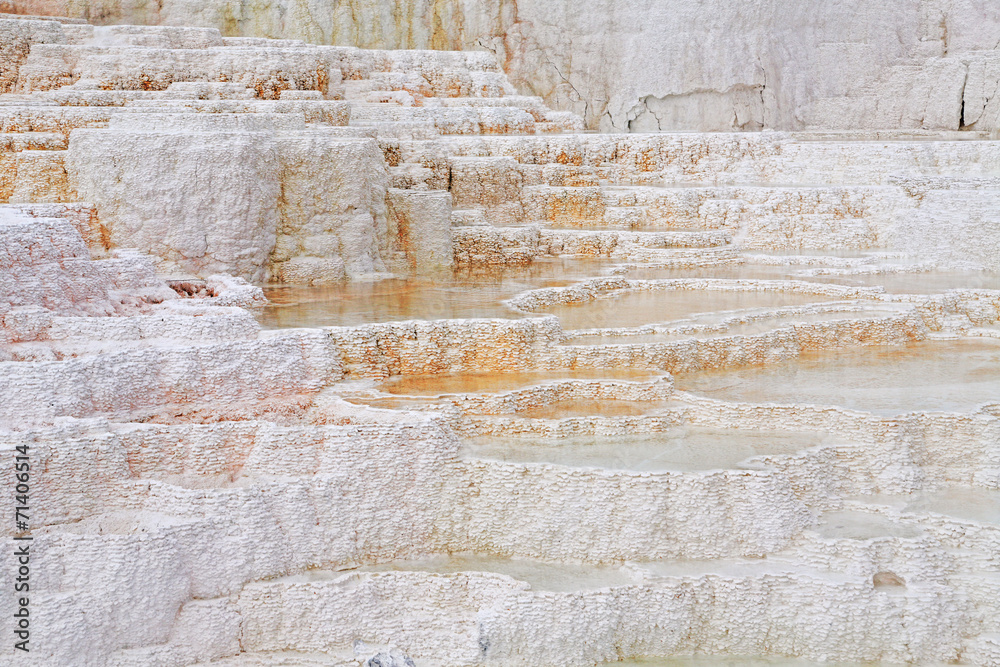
(332, 333)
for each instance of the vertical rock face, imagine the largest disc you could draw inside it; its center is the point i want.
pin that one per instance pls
(653, 65)
(16, 38)
(256, 196)
(204, 201)
(423, 228)
(332, 208)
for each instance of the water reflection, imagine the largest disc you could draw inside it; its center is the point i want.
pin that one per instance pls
(465, 294)
(466, 383)
(541, 576)
(956, 375)
(964, 503)
(737, 661)
(681, 448)
(640, 307)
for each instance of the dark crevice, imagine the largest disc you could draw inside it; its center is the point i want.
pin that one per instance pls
(961, 116)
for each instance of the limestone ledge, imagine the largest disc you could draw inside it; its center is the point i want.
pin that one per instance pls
(264, 448)
(270, 500)
(905, 64)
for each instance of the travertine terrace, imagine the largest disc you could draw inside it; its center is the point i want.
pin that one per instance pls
(323, 353)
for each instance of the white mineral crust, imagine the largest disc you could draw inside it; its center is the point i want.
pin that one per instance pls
(703, 389)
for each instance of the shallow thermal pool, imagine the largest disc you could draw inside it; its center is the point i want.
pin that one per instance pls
(461, 295)
(894, 282)
(586, 407)
(680, 448)
(726, 271)
(704, 328)
(949, 376)
(559, 409)
(964, 503)
(735, 661)
(484, 383)
(541, 576)
(858, 525)
(634, 308)
(922, 282)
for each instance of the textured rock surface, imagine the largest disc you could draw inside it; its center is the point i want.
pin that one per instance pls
(731, 394)
(678, 65)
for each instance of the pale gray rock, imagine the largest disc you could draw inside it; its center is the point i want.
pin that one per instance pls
(654, 64)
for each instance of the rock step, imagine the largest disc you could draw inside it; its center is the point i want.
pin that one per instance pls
(772, 158)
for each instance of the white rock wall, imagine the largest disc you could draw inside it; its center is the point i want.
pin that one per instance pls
(253, 195)
(655, 65)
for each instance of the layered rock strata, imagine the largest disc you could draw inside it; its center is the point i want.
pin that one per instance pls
(658, 65)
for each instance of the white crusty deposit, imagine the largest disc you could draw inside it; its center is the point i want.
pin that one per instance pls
(724, 394)
(654, 65)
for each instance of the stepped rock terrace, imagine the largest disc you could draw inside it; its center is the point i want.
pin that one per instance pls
(324, 355)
